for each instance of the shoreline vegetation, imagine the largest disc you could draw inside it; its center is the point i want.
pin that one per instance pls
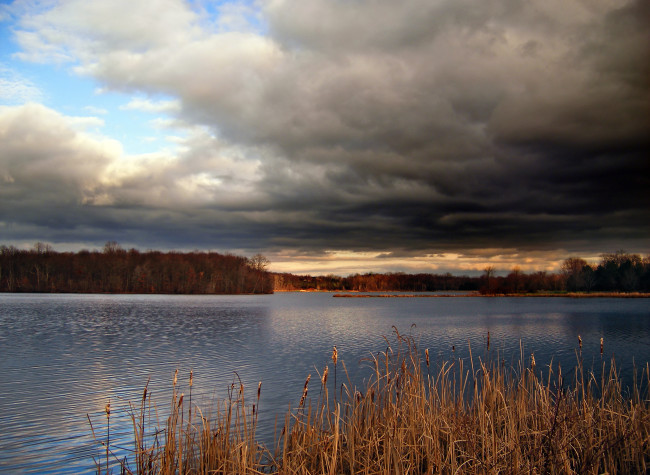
(120, 271)
(459, 417)
(617, 272)
(574, 295)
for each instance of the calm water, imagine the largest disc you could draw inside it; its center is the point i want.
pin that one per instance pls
(64, 356)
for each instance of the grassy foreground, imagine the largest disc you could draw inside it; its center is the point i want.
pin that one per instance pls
(460, 418)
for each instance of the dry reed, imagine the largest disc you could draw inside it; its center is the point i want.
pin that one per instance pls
(485, 418)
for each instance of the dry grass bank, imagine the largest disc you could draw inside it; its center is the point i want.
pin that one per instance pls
(461, 418)
(575, 295)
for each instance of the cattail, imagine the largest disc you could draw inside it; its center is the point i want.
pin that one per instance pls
(304, 391)
(488, 341)
(453, 348)
(426, 354)
(180, 401)
(601, 346)
(107, 408)
(335, 358)
(191, 382)
(323, 380)
(532, 361)
(259, 390)
(580, 341)
(175, 377)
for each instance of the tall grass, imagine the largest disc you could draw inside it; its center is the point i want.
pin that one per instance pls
(474, 417)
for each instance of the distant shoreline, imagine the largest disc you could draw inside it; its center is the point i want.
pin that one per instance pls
(575, 295)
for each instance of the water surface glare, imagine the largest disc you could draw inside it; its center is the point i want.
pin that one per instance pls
(65, 356)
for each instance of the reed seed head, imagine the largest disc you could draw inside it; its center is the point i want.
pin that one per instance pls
(191, 378)
(259, 390)
(426, 354)
(107, 408)
(304, 391)
(601, 345)
(324, 377)
(175, 377)
(580, 341)
(335, 355)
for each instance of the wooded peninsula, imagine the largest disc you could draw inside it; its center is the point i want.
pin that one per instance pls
(116, 270)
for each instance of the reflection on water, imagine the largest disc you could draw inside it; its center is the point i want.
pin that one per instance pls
(63, 356)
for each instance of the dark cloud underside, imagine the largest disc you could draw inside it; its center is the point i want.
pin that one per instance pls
(382, 126)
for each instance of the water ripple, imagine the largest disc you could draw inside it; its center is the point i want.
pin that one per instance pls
(65, 356)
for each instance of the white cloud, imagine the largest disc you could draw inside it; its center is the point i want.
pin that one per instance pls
(78, 29)
(16, 89)
(43, 152)
(96, 110)
(148, 105)
(236, 16)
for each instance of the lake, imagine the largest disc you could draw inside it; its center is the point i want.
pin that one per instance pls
(63, 357)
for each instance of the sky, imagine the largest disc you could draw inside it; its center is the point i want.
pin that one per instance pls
(333, 136)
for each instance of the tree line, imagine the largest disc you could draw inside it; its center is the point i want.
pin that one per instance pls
(617, 272)
(116, 270)
(371, 282)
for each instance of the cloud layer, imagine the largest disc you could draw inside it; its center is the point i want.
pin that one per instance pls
(400, 129)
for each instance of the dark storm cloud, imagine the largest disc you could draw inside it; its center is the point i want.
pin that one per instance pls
(401, 128)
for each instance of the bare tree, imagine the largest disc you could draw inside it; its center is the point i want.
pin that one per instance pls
(112, 247)
(259, 262)
(572, 269)
(42, 248)
(489, 274)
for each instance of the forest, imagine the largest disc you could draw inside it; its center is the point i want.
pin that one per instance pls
(616, 272)
(116, 270)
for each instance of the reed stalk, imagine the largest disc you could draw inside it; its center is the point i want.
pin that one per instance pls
(412, 418)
